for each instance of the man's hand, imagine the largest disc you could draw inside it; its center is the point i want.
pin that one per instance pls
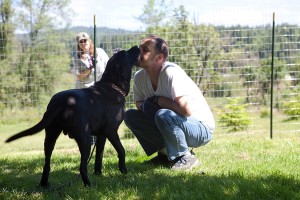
(150, 106)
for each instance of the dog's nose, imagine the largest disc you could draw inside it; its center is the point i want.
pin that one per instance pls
(138, 58)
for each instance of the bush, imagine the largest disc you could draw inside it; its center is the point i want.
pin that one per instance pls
(292, 108)
(264, 113)
(235, 116)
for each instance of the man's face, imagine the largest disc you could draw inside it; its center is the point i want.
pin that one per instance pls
(148, 53)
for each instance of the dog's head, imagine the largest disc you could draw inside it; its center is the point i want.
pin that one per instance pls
(119, 68)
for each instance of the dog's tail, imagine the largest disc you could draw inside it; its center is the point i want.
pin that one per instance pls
(47, 118)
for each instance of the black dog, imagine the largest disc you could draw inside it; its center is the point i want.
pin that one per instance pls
(97, 110)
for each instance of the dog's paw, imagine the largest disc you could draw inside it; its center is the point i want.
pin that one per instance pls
(98, 173)
(88, 184)
(44, 185)
(123, 170)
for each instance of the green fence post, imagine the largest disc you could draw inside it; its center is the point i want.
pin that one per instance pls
(272, 78)
(95, 53)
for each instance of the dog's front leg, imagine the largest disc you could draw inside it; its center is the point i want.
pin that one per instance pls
(115, 141)
(100, 143)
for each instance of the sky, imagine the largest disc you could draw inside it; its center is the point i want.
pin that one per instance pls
(122, 14)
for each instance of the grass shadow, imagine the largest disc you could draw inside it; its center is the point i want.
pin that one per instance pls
(143, 181)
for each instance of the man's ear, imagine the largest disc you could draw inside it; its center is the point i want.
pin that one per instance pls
(159, 58)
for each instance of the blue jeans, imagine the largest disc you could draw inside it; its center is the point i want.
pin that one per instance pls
(169, 129)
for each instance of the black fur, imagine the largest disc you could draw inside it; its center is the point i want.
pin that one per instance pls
(97, 110)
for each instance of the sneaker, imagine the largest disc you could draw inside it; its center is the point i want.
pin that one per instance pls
(185, 162)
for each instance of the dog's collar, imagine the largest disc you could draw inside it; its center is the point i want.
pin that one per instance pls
(119, 90)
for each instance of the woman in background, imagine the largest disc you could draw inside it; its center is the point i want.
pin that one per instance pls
(83, 61)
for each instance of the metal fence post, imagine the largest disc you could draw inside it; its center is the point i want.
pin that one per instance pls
(95, 53)
(272, 79)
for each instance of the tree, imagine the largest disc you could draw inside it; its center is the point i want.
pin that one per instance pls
(207, 44)
(6, 27)
(195, 47)
(235, 116)
(6, 60)
(154, 13)
(38, 17)
(41, 15)
(264, 78)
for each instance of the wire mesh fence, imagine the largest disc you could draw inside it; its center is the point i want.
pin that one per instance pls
(231, 65)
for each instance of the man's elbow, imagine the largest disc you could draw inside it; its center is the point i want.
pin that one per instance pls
(186, 112)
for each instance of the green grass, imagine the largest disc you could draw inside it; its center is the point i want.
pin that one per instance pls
(233, 166)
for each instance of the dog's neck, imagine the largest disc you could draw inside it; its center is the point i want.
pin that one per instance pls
(112, 85)
(119, 90)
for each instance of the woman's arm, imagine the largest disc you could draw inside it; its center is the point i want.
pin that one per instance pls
(83, 74)
(81, 67)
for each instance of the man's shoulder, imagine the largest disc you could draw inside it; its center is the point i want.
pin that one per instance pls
(140, 72)
(170, 64)
(170, 67)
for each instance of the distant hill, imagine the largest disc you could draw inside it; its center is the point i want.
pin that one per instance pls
(99, 30)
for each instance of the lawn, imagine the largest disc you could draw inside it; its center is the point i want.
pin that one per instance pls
(233, 166)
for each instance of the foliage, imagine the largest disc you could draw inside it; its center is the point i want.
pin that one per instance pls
(292, 108)
(199, 47)
(235, 116)
(6, 27)
(33, 71)
(11, 84)
(154, 13)
(294, 72)
(41, 15)
(264, 113)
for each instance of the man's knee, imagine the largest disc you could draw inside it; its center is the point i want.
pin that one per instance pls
(132, 116)
(127, 115)
(164, 116)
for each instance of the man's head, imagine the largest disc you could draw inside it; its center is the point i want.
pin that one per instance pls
(161, 45)
(154, 50)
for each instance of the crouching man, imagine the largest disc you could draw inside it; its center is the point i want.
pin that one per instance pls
(172, 115)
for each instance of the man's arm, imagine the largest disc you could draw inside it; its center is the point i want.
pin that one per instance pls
(180, 105)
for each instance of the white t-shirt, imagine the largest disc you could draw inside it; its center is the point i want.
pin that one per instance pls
(174, 82)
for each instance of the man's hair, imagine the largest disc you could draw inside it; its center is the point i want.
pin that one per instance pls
(161, 45)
